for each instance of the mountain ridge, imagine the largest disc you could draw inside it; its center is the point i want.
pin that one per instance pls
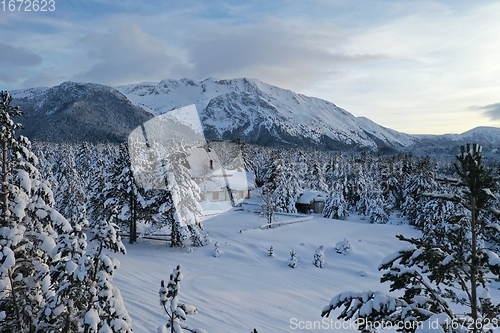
(243, 108)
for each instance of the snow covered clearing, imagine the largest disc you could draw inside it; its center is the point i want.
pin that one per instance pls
(245, 288)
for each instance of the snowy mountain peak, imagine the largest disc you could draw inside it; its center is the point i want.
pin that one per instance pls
(264, 114)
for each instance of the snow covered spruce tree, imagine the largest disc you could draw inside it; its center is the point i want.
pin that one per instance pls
(355, 189)
(376, 208)
(84, 299)
(39, 250)
(70, 196)
(319, 257)
(314, 178)
(284, 182)
(84, 160)
(293, 261)
(435, 217)
(391, 181)
(64, 309)
(121, 191)
(435, 276)
(269, 203)
(105, 310)
(100, 178)
(258, 160)
(185, 195)
(217, 250)
(176, 312)
(336, 205)
(421, 180)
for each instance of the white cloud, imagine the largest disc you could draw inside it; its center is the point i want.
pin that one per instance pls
(287, 53)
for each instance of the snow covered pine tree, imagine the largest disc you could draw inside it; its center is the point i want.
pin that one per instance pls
(336, 205)
(105, 311)
(121, 192)
(430, 273)
(70, 197)
(176, 312)
(285, 183)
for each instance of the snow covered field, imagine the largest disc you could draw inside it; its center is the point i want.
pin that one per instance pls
(244, 288)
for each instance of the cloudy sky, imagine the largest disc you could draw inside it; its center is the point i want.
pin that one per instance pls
(414, 66)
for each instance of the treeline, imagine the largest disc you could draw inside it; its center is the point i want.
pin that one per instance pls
(88, 180)
(365, 184)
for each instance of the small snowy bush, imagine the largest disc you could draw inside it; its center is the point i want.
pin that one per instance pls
(319, 257)
(270, 251)
(293, 262)
(206, 239)
(177, 312)
(217, 251)
(343, 247)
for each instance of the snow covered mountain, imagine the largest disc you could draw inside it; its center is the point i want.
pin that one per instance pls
(246, 108)
(488, 137)
(482, 134)
(74, 112)
(264, 114)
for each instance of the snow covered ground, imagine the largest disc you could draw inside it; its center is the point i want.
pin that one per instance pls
(244, 288)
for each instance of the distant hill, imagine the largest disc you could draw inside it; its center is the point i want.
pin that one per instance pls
(74, 112)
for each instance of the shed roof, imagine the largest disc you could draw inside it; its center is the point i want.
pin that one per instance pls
(309, 196)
